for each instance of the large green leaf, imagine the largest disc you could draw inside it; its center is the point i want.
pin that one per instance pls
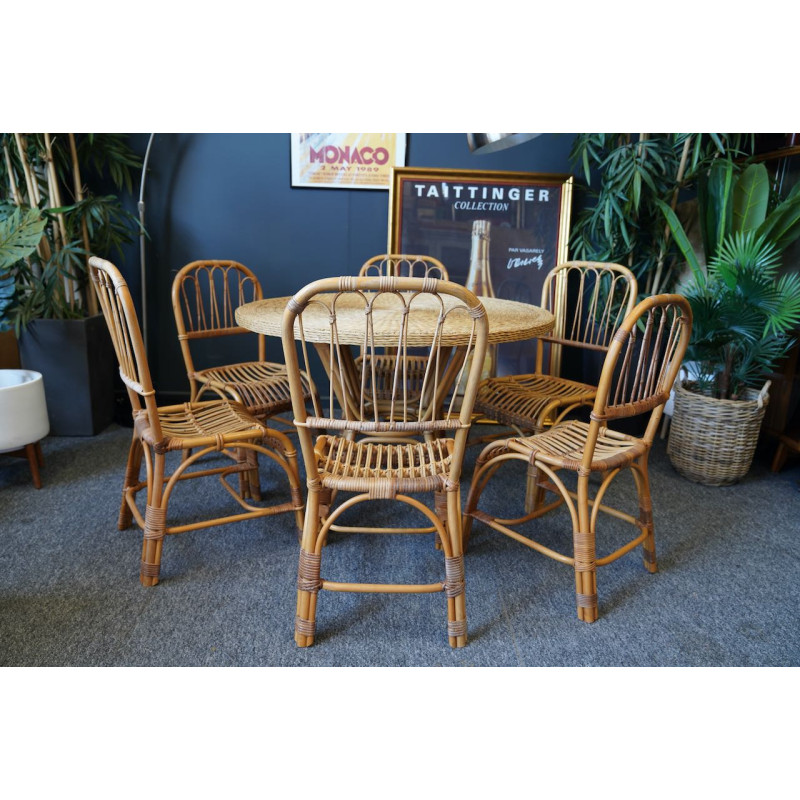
(715, 199)
(20, 233)
(782, 226)
(682, 240)
(750, 199)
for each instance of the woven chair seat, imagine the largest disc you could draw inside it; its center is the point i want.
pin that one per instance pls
(525, 400)
(200, 425)
(563, 447)
(262, 386)
(589, 300)
(378, 467)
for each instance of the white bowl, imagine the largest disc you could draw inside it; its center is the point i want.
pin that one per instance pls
(23, 411)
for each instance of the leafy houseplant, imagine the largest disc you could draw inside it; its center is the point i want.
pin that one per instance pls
(744, 313)
(44, 195)
(50, 222)
(627, 178)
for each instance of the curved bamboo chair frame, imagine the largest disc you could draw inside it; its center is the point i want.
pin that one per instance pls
(205, 296)
(638, 373)
(384, 361)
(385, 448)
(400, 265)
(606, 293)
(202, 427)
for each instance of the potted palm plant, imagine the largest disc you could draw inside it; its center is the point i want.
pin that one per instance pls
(744, 313)
(50, 222)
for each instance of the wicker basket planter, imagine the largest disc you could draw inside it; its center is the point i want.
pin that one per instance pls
(713, 441)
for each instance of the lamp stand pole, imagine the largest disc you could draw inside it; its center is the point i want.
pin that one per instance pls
(142, 266)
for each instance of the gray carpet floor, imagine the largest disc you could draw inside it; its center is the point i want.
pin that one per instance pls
(726, 593)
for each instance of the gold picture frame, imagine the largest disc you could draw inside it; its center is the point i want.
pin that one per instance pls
(432, 212)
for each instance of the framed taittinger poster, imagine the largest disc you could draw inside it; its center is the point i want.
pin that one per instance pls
(522, 217)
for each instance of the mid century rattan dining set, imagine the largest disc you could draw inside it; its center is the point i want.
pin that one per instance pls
(403, 349)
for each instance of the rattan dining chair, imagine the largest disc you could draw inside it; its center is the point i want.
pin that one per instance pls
(220, 426)
(389, 449)
(205, 296)
(589, 300)
(638, 373)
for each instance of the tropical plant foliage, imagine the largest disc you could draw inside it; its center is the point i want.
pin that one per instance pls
(50, 222)
(627, 176)
(744, 310)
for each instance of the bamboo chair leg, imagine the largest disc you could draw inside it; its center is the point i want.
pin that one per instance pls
(282, 446)
(534, 493)
(308, 574)
(132, 471)
(440, 506)
(244, 476)
(253, 477)
(646, 518)
(155, 525)
(34, 462)
(325, 499)
(585, 557)
(480, 478)
(454, 571)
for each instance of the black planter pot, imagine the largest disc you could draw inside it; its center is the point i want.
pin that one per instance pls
(76, 359)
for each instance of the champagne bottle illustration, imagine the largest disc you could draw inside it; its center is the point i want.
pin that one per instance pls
(479, 281)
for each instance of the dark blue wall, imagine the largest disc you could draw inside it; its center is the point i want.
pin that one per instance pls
(230, 196)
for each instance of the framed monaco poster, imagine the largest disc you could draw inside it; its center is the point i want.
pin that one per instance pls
(521, 221)
(346, 160)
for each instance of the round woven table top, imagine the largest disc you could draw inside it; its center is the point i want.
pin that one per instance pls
(509, 321)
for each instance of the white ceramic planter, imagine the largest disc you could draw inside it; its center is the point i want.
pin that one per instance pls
(23, 410)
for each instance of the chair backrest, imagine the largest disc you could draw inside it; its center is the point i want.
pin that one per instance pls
(205, 296)
(117, 306)
(338, 314)
(643, 361)
(589, 301)
(404, 266)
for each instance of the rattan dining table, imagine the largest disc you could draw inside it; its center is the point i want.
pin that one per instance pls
(509, 321)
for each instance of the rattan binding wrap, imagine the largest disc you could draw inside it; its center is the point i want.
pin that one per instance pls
(713, 441)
